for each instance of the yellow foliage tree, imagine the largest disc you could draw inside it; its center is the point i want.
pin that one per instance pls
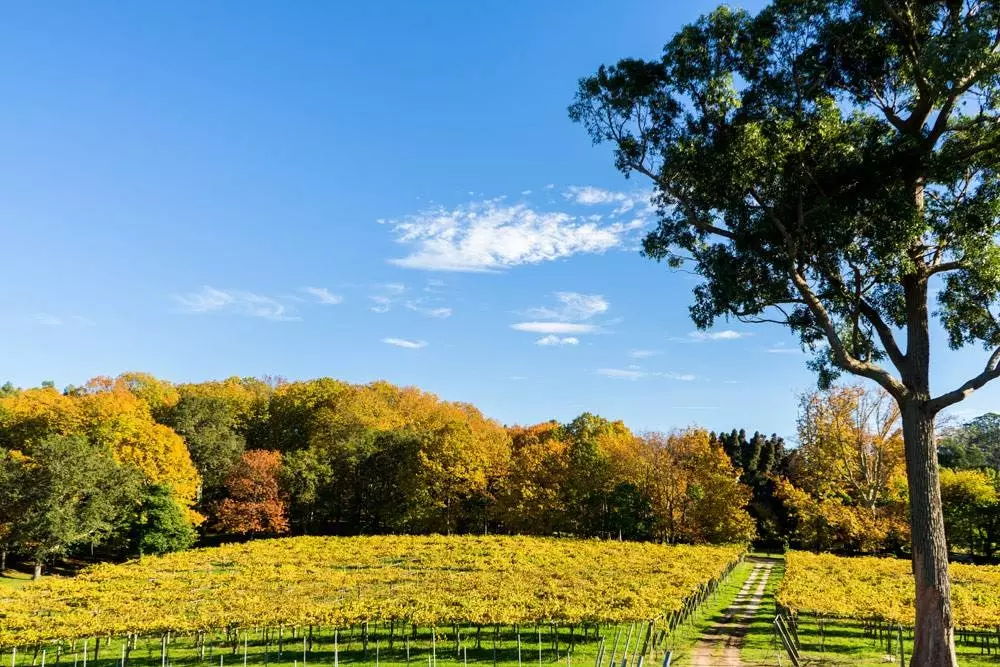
(847, 487)
(694, 489)
(107, 412)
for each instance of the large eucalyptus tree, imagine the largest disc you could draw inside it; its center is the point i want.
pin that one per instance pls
(832, 166)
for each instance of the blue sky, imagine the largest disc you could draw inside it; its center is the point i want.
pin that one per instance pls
(366, 190)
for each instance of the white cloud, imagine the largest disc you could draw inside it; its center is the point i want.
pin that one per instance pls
(643, 354)
(47, 320)
(554, 327)
(781, 348)
(573, 306)
(382, 303)
(405, 343)
(525, 192)
(517, 378)
(489, 236)
(386, 296)
(727, 334)
(323, 295)
(210, 300)
(556, 340)
(588, 195)
(622, 373)
(634, 373)
(418, 306)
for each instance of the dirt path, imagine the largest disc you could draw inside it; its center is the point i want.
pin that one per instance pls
(720, 645)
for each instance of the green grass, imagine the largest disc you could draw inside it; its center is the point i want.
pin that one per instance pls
(714, 611)
(13, 579)
(840, 643)
(423, 650)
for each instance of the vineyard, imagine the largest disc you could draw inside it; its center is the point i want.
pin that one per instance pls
(396, 584)
(882, 589)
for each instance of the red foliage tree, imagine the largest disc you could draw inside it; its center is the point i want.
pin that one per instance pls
(254, 504)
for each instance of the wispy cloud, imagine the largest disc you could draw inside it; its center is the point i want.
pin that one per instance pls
(555, 327)
(573, 307)
(212, 300)
(622, 373)
(556, 340)
(47, 320)
(50, 320)
(405, 343)
(323, 295)
(635, 373)
(420, 306)
(491, 236)
(643, 354)
(726, 334)
(781, 348)
(571, 315)
(386, 296)
(588, 195)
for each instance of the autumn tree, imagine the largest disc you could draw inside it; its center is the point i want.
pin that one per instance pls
(694, 489)
(254, 504)
(826, 165)
(971, 501)
(846, 487)
(122, 421)
(530, 498)
(106, 412)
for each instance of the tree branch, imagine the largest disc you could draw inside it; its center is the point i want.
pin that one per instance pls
(693, 219)
(990, 372)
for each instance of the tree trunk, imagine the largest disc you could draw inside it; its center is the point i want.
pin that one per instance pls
(38, 571)
(934, 639)
(3, 560)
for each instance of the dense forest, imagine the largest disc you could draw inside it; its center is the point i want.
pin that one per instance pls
(136, 465)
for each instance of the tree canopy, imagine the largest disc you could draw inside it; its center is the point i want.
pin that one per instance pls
(822, 165)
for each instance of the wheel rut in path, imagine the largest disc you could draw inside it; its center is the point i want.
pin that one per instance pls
(720, 645)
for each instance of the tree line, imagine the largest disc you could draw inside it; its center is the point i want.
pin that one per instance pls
(844, 487)
(137, 465)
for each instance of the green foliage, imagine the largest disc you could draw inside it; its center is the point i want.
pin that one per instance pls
(760, 460)
(160, 525)
(209, 425)
(975, 444)
(68, 492)
(819, 163)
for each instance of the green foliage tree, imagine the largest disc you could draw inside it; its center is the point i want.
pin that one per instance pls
(821, 164)
(209, 425)
(160, 525)
(68, 491)
(975, 444)
(761, 461)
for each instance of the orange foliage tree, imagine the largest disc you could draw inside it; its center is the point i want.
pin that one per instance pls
(255, 504)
